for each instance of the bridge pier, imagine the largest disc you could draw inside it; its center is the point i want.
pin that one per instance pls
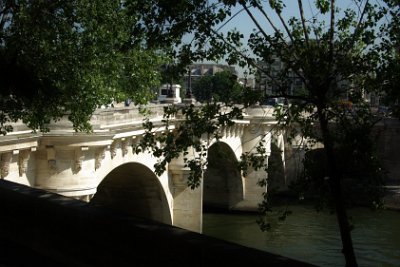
(260, 129)
(187, 210)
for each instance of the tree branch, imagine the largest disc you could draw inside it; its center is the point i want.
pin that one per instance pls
(357, 29)
(256, 22)
(276, 30)
(303, 22)
(251, 61)
(331, 32)
(317, 37)
(270, 22)
(286, 27)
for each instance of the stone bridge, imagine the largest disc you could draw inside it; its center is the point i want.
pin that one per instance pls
(101, 167)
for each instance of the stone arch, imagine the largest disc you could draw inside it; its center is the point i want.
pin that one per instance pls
(134, 189)
(223, 185)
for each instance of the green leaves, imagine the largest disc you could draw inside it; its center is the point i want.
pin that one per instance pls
(277, 5)
(323, 5)
(220, 87)
(69, 57)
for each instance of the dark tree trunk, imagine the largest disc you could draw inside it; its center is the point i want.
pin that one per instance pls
(337, 193)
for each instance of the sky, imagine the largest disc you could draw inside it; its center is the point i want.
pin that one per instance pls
(243, 23)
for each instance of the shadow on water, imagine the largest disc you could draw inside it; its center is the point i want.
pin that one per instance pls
(314, 237)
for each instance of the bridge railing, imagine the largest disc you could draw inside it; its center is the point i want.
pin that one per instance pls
(126, 116)
(102, 119)
(121, 116)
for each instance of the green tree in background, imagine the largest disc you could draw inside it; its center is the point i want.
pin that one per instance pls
(220, 87)
(69, 57)
(336, 53)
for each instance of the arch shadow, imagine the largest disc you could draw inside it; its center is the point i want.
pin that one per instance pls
(223, 186)
(134, 189)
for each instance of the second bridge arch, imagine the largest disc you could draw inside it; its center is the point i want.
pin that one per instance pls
(223, 185)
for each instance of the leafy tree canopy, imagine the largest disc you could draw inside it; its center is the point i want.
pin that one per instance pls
(68, 57)
(220, 87)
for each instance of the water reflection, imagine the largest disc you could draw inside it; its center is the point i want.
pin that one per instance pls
(314, 237)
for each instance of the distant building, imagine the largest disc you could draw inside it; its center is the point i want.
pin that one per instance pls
(266, 74)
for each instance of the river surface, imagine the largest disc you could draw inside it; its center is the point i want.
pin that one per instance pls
(313, 237)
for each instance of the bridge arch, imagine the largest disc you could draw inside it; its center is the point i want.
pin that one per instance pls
(223, 185)
(134, 189)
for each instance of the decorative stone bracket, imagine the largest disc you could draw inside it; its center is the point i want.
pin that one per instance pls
(24, 156)
(135, 142)
(100, 154)
(126, 143)
(5, 163)
(51, 159)
(113, 148)
(79, 157)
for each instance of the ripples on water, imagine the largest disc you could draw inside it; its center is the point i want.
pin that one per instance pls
(314, 237)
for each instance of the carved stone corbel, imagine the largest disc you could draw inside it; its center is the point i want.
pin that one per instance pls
(23, 161)
(51, 159)
(126, 143)
(100, 154)
(135, 143)
(5, 164)
(239, 130)
(236, 130)
(80, 157)
(113, 149)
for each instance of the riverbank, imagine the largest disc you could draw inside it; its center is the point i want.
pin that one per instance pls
(392, 198)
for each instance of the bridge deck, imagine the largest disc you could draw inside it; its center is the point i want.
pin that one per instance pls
(40, 227)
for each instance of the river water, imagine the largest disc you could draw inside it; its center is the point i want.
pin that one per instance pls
(314, 237)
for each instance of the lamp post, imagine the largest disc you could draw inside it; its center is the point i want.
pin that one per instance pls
(189, 99)
(166, 68)
(245, 78)
(189, 84)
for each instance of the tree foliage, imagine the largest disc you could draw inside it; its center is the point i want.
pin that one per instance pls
(220, 87)
(69, 57)
(338, 54)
